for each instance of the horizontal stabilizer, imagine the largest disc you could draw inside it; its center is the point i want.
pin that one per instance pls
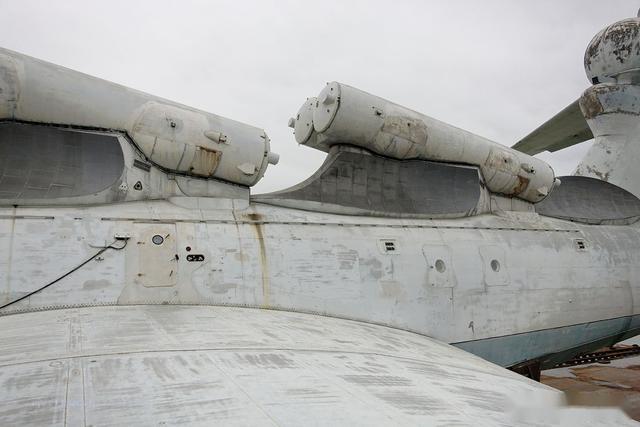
(563, 130)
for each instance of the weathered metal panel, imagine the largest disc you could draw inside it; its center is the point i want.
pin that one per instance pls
(511, 286)
(49, 165)
(495, 270)
(157, 255)
(467, 280)
(37, 91)
(613, 113)
(9, 86)
(441, 272)
(337, 265)
(205, 161)
(591, 201)
(346, 115)
(213, 365)
(511, 349)
(563, 130)
(356, 182)
(173, 138)
(612, 54)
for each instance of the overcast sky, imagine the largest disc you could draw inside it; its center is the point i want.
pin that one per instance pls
(496, 68)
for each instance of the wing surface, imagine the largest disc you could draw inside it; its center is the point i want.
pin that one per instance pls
(206, 365)
(563, 130)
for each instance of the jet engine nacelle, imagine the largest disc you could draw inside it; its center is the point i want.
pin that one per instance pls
(175, 137)
(341, 114)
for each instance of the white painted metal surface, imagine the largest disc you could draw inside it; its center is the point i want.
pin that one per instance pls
(346, 115)
(612, 55)
(509, 284)
(611, 105)
(171, 135)
(613, 116)
(145, 365)
(274, 257)
(608, 111)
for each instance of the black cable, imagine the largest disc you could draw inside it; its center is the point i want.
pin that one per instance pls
(101, 251)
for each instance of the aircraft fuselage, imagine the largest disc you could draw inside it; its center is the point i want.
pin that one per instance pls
(510, 288)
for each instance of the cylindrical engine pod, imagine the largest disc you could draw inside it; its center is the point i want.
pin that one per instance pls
(345, 115)
(200, 144)
(177, 138)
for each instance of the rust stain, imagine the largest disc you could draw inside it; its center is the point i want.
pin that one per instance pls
(264, 266)
(523, 183)
(500, 160)
(606, 383)
(205, 161)
(414, 130)
(590, 104)
(598, 385)
(243, 257)
(255, 217)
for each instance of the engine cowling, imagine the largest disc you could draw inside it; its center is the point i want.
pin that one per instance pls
(341, 114)
(175, 137)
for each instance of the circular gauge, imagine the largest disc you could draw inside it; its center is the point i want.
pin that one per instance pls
(157, 239)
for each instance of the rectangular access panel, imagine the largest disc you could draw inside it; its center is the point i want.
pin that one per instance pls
(157, 263)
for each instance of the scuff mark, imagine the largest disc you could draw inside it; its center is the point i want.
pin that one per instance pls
(92, 285)
(593, 171)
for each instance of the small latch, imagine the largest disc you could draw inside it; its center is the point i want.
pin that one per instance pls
(247, 168)
(215, 136)
(527, 168)
(543, 191)
(327, 99)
